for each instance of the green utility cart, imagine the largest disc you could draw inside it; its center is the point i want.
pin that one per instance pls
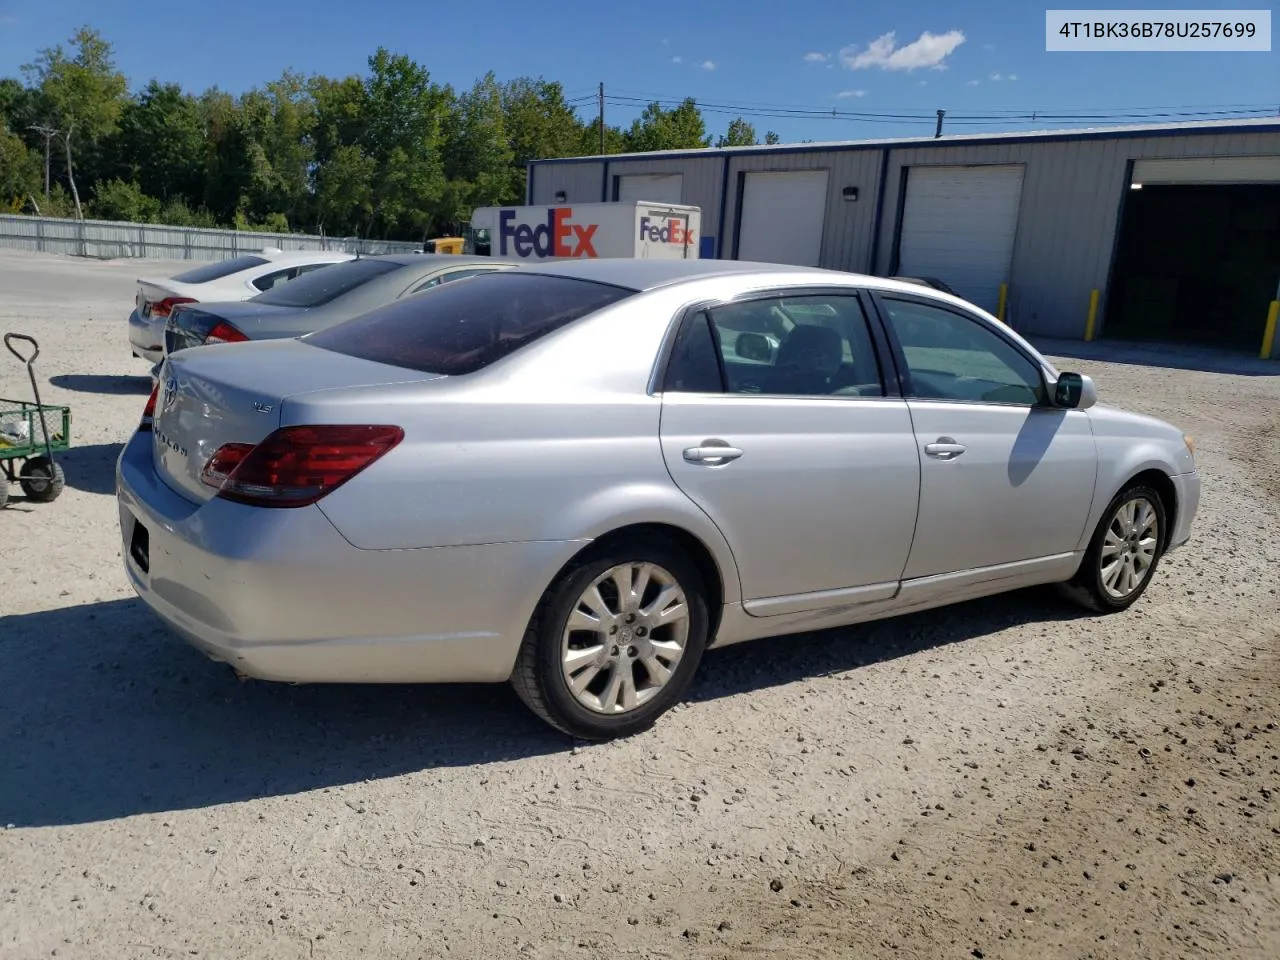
(29, 434)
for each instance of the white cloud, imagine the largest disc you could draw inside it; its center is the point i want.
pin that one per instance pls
(817, 57)
(677, 59)
(929, 50)
(708, 64)
(997, 77)
(973, 83)
(846, 94)
(1012, 76)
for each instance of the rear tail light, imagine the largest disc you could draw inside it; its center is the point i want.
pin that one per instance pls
(224, 332)
(149, 411)
(162, 308)
(295, 466)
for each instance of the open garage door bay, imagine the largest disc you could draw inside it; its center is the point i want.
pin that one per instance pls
(1198, 257)
(959, 225)
(783, 214)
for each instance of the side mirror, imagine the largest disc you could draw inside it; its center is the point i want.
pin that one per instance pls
(753, 346)
(1074, 391)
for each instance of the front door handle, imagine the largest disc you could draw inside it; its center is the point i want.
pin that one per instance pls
(712, 452)
(944, 448)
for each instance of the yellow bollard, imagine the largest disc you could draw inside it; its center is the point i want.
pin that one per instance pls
(1269, 331)
(1004, 299)
(1093, 316)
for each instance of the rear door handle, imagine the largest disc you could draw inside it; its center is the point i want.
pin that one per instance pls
(944, 448)
(712, 452)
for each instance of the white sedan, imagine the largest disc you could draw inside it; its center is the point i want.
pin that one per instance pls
(236, 279)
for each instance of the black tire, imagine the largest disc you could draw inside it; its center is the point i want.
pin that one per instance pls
(1086, 587)
(41, 479)
(538, 677)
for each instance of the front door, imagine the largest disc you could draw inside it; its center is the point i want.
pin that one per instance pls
(1004, 477)
(776, 422)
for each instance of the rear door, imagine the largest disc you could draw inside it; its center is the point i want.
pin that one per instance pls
(778, 423)
(1005, 478)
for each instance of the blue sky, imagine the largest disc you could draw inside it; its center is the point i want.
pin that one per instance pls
(966, 57)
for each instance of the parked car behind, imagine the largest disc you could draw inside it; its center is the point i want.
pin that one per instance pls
(236, 279)
(559, 476)
(320, 300)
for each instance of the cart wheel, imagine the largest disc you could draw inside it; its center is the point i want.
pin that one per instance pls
(41, 479)
(4, 491)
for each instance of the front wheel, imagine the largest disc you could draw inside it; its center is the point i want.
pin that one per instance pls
(1123, 554)
(41, 479)
(615, 642)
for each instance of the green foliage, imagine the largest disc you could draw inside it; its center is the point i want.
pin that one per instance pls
(389, 153)
(20, 172)
(123, 200)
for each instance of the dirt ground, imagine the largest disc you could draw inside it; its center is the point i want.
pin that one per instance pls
(1005, 779)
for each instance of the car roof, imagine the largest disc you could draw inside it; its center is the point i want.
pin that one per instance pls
(642, 275)
(436, 259)
(300, 256)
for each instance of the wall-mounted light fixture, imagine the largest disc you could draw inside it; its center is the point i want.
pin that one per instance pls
(560, 196)
(849, 193)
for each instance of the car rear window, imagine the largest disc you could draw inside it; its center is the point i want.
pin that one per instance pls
(459, 328)
(321, 286)
(223, 268)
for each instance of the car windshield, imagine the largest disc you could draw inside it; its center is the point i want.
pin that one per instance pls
(458, 328)
(328, 283)
(223, 268)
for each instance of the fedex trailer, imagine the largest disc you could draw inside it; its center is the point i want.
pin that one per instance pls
(640, 229)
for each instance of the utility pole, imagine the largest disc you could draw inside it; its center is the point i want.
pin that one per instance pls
(938, 132)
(601, 118)
(49, 134)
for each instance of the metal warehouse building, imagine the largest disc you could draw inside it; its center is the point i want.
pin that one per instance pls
(1173, 231)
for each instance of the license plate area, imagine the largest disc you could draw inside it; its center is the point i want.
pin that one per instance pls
(140, 547)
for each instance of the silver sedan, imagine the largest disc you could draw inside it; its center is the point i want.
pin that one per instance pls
(578, 476)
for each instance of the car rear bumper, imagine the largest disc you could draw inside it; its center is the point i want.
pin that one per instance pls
(146, 338)
(279, 594)
(1187, 489)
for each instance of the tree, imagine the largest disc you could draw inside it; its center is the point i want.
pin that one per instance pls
(539, 124)
(476, 149)
(772, 138)
(80, 95)
(740, 134)
(124, 200)
(161, 143)
(681, 128)
(19, 172)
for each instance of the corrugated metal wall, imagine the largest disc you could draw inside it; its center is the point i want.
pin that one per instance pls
(849, 225)
(111, 239)
(1071, 200)
(1067, 223)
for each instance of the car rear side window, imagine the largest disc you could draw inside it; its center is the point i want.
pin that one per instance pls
(223, 268)
(318, 288)
(462, 327)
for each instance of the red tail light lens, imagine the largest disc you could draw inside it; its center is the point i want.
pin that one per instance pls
(149, 411)
(162, 308)
(224, 333)
(295, 466)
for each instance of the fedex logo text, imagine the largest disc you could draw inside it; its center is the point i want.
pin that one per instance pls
(550, 239)
(665, 231)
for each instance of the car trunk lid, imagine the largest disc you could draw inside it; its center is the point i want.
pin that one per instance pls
(234, 394)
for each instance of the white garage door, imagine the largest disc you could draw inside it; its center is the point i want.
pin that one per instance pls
(658, 187)
(959, 225)
(782, 217)
(1208, 170)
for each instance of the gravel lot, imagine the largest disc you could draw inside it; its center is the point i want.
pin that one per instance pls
(1008, 778)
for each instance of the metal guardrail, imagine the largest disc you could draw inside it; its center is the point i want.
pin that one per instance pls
(107, 239)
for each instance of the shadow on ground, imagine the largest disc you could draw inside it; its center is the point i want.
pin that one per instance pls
(91, 468)
(1169, 356)
(103, 714)
(101, 383)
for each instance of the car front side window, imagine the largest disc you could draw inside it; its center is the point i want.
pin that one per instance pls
(953, 357)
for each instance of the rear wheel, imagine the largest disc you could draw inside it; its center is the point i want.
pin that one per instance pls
(1124, 552)
(41, 479)
(615, 642)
